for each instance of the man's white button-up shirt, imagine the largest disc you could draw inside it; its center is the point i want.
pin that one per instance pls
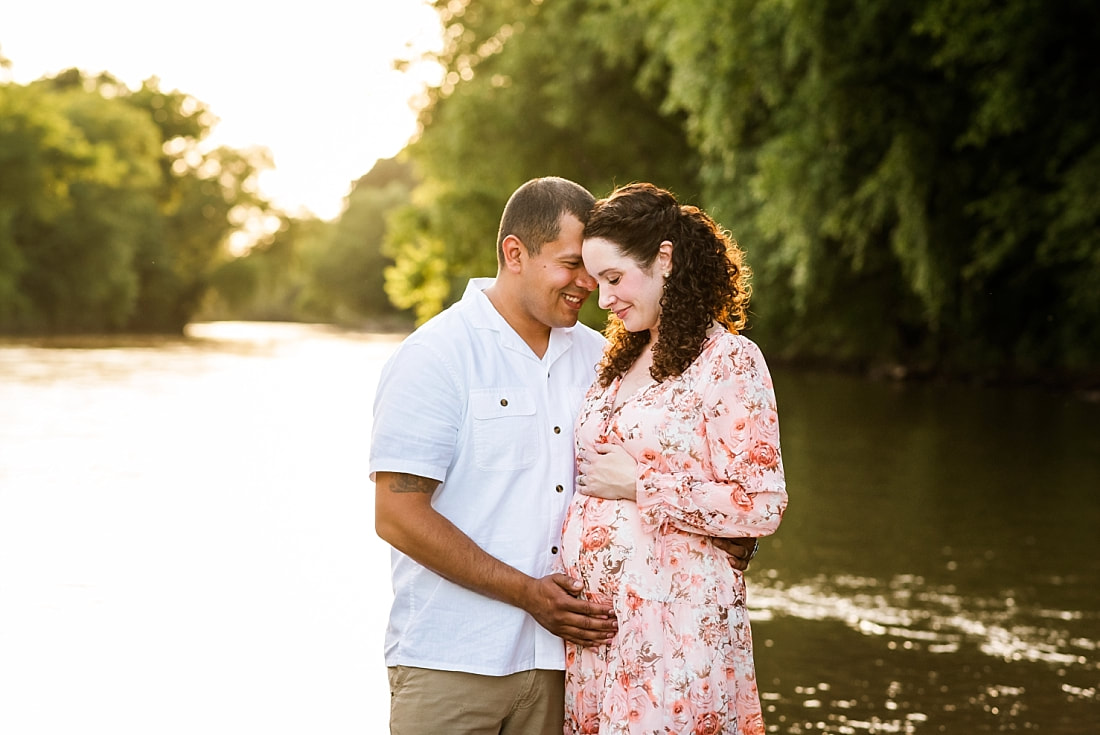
(465, 401)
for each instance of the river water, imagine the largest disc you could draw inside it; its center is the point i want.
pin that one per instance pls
(187, 546)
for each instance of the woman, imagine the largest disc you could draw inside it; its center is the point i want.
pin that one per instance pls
(677, 444)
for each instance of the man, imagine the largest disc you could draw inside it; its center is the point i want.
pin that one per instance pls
(472, 458)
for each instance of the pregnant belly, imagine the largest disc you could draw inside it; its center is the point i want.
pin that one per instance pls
(605, 546)
(600, 540)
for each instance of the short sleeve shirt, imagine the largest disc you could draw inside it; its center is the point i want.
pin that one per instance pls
(465, 401)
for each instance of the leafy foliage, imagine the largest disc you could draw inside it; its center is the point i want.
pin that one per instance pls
(528, 94)
(110, 216)
(321, 271)
(914, 181)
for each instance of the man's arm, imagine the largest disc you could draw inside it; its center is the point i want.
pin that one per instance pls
(404, 517)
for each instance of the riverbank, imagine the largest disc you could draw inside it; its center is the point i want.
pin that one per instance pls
(1083, 385)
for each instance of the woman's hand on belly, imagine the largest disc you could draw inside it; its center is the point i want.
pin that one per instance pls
(607, 471)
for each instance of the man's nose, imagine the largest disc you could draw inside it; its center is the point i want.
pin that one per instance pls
(586, 281)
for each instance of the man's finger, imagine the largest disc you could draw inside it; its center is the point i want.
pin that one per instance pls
(586, 636)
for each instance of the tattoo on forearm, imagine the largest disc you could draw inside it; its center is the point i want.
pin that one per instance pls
(412, 484)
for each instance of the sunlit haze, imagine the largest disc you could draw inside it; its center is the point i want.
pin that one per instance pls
(314, 82)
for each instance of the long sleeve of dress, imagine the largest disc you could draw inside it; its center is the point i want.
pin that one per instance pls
(724, 476)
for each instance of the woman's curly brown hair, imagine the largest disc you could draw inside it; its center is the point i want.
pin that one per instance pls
(708, 281)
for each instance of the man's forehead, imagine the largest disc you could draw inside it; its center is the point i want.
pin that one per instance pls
(564, 248)
(571, 230)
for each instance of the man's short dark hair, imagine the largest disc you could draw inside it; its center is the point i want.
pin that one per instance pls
(533, 212)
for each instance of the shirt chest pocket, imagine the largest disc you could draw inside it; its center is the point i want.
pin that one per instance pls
(505, 428)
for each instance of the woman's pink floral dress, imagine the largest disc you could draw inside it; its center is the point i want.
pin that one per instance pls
(707, 447)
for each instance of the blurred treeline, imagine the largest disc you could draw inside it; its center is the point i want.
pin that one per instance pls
(110, 218)
(116, 217)
(915, 182)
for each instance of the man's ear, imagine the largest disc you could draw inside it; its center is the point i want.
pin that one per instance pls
(514, 252)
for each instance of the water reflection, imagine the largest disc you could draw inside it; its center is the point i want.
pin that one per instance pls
(186, 545)
(186, 535)
(940, 550)
(914, 616)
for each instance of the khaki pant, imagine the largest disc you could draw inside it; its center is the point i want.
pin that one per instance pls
(430, 702)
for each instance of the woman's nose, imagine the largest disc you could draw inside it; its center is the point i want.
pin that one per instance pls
(605, 299)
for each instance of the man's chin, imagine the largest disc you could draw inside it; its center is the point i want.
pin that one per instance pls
(567, 320)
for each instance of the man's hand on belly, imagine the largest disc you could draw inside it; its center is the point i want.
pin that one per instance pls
(552, 601)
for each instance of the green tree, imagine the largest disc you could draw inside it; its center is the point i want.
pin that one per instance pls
(1029, 72)
(36, 162)
(205, 197)
(111, 215)
(321, 271)
(897, 166)
(267, 282)
(912, 181)
(346, 275)
(80, 176)
(527, 93)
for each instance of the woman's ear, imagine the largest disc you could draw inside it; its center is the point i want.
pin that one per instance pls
(664, 257)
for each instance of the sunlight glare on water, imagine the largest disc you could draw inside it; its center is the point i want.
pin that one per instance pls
(186, 536)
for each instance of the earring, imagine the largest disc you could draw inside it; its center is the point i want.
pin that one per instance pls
(665, 274)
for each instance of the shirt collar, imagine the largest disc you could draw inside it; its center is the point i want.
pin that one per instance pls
(561, 338)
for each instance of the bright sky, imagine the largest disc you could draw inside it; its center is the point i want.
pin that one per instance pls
(313, 81)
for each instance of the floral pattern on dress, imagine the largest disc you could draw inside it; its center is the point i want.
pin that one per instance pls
(709, 465)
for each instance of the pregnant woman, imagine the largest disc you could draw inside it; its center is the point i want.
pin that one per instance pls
(683, 409)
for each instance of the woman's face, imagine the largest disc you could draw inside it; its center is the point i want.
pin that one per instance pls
(630, 291)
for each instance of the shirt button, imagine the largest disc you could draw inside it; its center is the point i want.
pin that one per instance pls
(553, 549)
(504, 401)
(559, 488)
(557, 429)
